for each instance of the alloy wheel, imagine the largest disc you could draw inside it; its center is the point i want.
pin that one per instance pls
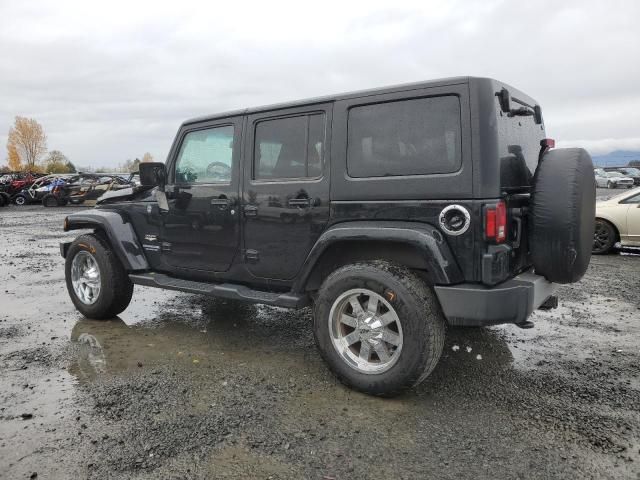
(85, 277)
(365, 331)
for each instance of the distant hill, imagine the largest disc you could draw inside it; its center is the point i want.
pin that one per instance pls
(619, 158)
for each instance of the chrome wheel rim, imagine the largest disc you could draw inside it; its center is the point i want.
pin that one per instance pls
(85, 277)
(20, 201)
(365, 331)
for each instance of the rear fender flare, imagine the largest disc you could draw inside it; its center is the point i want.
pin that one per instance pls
(118, 231)
(436, 258)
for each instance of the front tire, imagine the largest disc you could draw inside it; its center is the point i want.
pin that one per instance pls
(97, 283)
(20, 200)
(379, 327)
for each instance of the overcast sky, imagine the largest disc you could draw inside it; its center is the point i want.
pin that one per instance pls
(111, 80)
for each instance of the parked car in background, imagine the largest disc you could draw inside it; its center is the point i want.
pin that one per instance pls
(617, 220)
(630, 172)
(13, 183)
(84, 189)
(606, 179)
(37, 190)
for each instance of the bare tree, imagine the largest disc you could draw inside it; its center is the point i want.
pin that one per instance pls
(56, 162)
(28, 139)
(147, 157)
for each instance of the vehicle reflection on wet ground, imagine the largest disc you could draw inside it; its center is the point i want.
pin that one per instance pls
(181, 386)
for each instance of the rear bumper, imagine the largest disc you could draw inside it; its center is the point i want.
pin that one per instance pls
(471, 304)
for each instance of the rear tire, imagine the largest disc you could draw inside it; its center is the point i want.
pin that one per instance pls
(604, 237)
(393, 341)
(112, 291)
(610, 185)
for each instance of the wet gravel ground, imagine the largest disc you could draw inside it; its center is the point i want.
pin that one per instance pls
(183, 387)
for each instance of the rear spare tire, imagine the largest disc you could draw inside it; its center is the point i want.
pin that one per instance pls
(562, 215)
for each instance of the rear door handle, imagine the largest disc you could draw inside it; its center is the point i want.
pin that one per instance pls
(299, 202)
(250, 211)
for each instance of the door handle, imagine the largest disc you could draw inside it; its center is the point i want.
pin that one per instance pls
(222, 203)
(299, 202)
(250, 211)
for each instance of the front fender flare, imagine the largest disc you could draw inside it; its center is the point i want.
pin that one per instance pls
(441, 265)
(119, 232)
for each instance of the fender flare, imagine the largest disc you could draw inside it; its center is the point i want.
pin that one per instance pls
(119, 232)
(441, 264)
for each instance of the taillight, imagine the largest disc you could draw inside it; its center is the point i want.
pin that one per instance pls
(495, 222)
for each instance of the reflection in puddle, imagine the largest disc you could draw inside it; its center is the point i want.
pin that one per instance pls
(196, 331)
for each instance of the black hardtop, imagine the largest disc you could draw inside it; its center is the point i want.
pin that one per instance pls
(493, 84)
(332, 98)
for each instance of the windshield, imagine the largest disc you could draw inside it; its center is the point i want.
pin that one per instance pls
(631, 171)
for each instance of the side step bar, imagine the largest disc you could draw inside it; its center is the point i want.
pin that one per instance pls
(223, 290)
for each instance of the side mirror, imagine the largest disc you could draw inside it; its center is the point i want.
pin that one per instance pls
(153, 174)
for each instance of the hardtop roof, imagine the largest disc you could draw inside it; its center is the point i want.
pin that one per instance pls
(333, 98)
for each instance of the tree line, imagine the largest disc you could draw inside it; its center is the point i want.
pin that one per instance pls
(27, 152)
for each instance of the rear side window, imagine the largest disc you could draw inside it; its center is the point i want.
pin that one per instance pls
(409, 137)
(291, 147)
(206, 156)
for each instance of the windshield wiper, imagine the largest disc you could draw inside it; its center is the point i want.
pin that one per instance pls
(526, 110)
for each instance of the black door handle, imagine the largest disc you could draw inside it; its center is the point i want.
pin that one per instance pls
(299, 202)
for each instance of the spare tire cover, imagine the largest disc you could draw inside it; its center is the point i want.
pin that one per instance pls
(562, 218)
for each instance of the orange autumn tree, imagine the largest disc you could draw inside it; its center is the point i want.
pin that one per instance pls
(13, 159)
(28, 141)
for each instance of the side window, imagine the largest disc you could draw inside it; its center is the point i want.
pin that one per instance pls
(408, 137)
(291, 147)
(634, 199)
(205, 156)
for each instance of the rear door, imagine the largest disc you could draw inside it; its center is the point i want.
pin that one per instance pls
(285, 188)
(201, 229)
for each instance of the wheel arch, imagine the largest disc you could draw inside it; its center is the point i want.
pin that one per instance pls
(415, 245)
(116, 230)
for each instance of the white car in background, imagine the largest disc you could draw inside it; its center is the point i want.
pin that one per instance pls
(617, 220)
(611, 179)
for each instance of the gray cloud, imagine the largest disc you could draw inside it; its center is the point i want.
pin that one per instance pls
(109, 84)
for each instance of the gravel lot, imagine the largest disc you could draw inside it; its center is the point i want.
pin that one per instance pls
(186, 387)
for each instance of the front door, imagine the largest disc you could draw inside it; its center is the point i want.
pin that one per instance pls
(633, 220)
(286, 188)
(201, 229)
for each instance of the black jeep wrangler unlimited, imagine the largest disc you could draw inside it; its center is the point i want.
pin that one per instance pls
(394, 212)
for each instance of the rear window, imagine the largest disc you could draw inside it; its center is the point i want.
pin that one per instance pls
(289, 148)
(409, 137)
